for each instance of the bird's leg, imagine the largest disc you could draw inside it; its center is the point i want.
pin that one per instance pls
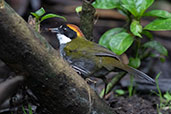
(88, 80)
(105, 87)
(105, 91)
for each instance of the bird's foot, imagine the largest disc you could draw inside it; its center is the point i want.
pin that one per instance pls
(88, 80)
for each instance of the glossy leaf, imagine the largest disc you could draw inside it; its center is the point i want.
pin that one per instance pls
(47, 16)
(137, 7)
(120, 42)
(157, 46)
(158, 13)
(106, 37)
(40, 12)
(136, 28)
(148, 34)
(159, 25)
(134, 62)
(106, 4)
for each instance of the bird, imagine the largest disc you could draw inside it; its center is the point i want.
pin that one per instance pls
(88, 58)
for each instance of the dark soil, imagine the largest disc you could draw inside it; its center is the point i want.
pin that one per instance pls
(144, 104)
(133, 105)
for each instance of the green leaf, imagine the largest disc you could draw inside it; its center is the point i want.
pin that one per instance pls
(157, 46)
(157, 85)
(106, 37)
(162, 59)
(35, 15)
(47, 16)
(148, 34)
(30, 109)
(106, 4)
(120, 42)
(78, 9)
(24, 110)
(137, 7)
(167, 96)
(158, 13)
(159, 25)
(136, 28)
(134, 62)
(120, 91)
(40, 12)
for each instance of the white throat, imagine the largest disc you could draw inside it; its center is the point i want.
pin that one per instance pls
(63, 39)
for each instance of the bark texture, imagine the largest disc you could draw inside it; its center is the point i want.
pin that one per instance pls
(56, 85)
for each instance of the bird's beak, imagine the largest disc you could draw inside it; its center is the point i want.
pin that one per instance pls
(54, 30)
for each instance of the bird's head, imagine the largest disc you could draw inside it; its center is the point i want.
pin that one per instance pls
(66, 33)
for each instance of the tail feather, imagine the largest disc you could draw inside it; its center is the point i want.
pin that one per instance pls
(140, 74)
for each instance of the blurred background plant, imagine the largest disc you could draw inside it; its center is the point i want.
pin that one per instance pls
(119, 40)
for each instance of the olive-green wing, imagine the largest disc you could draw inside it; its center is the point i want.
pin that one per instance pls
(102, 51)
(92, 48)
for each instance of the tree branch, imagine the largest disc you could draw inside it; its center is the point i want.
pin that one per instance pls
(87, 19)
(56, 85)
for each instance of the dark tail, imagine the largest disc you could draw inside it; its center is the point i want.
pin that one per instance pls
(140, 74)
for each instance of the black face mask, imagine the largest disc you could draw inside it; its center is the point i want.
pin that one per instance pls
(67, 31)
